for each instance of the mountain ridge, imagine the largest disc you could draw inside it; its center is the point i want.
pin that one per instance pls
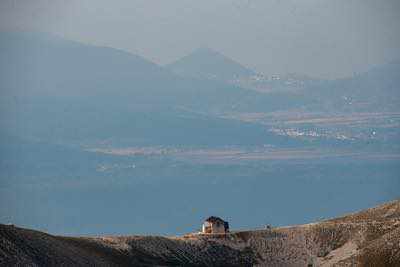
(367, 237)
(50, 79)
(209, 64)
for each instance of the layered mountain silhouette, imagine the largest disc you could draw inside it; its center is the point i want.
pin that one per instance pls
(52, 83)
(45, 65)
(55, 89)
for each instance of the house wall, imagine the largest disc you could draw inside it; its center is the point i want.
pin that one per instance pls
(206, 227)
(215, 228)
(218, 228)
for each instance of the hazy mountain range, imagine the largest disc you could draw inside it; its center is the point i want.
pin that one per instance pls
(58, 88)
(59, 85)
(208, 64)
(203, 123)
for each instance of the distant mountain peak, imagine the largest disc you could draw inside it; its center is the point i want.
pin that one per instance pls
(205, 62)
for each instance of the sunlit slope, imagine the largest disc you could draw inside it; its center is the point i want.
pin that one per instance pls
(368, 237)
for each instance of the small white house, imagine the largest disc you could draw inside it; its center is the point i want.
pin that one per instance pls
(215, 225)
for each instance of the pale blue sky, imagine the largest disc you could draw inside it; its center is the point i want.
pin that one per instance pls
(316, 37)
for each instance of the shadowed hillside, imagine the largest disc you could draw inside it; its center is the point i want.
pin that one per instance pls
(367, 238)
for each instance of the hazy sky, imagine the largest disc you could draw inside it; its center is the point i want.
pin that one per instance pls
(315, 37)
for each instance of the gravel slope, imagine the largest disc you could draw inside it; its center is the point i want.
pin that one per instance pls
(367, 238)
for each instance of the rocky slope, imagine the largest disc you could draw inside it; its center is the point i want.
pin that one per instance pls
(367, 238)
